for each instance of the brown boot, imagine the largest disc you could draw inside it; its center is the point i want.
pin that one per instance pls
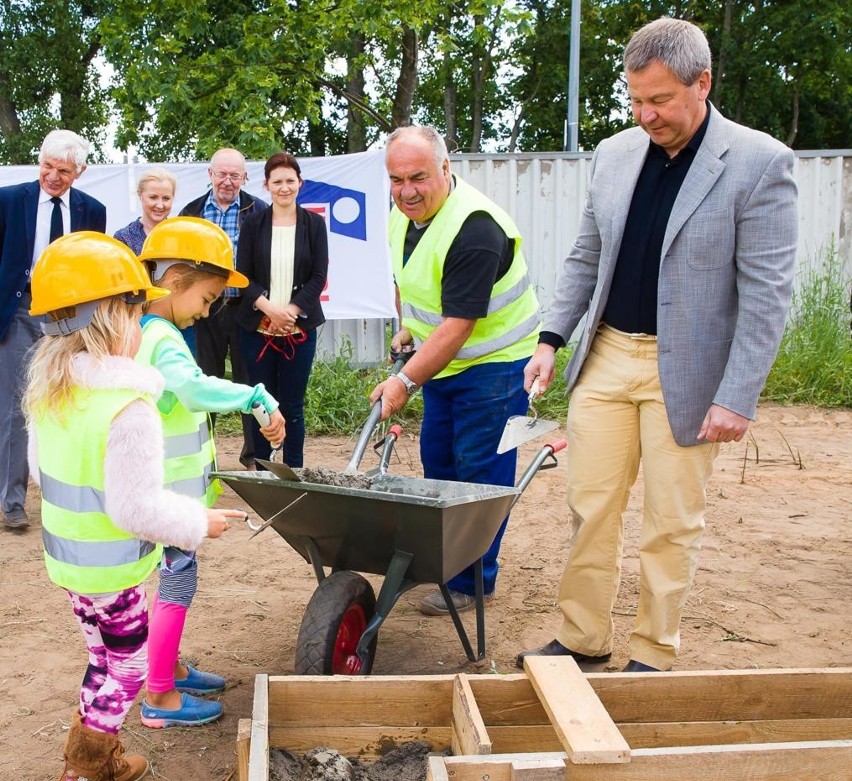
(98, 756)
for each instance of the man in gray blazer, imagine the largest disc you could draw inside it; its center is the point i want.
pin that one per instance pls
(683, 268)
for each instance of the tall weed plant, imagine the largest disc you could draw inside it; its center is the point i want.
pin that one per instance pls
(814, 363)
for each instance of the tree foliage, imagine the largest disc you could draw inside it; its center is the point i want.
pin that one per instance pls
(324, 77)
(47, 75)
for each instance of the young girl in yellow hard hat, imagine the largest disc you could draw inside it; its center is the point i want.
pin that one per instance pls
(96, 450)
(194, 259)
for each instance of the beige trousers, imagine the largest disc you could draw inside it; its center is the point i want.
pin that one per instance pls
(616, 418)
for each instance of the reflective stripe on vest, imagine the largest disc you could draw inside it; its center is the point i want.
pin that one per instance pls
(509, 331)
(112, 553)
(189, 448)
(179, 445)
(84, 551)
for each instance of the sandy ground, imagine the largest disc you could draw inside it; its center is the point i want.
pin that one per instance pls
(774, 589)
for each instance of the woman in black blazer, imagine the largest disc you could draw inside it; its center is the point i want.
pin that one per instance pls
(283, 250)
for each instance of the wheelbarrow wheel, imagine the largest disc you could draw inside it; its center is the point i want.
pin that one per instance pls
(334, 620)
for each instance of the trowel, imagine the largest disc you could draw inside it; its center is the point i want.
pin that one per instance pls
(523, 428)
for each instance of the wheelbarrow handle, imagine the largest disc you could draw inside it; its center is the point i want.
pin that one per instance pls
(547, 451)
(370, 425)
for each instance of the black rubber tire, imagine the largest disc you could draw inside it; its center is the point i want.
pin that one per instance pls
(322, 619)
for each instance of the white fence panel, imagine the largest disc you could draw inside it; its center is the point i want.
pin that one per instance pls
(545, 193)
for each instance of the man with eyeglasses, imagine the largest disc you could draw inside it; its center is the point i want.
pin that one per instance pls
(227, 205)
(32, 215)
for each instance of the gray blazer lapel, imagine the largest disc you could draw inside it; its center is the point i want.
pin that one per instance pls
(627, 171)
(703, 175)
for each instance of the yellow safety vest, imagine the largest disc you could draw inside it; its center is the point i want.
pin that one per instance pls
(84, 551)
(190, 451)
(509, 332)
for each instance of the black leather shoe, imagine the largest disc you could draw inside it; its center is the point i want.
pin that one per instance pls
(637, 667)
(555, 648)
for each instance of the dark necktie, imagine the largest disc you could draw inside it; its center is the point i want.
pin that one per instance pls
(56, 229)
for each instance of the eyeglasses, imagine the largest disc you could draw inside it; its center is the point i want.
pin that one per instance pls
(219, 176)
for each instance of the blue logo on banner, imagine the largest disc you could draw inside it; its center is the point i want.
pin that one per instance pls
(344, 211)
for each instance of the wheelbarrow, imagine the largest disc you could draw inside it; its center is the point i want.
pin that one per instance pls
(411, 530)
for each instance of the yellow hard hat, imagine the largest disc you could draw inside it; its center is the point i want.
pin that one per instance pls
(194, 240)
(85, 267)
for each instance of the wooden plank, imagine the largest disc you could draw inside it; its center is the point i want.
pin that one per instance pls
(542, 737)
(498, 767)
(436, 770)
(467, 722)
(725, 695)
(343, 701)
(526, 739)
(816, 761)
(243, 747)
(508, 700)
(709, 733)
(369, 742)
(581, 722)
(259, 750)
(537, 770)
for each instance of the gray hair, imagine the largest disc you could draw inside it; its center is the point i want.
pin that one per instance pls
(680, 46)
(156, 175)
(426, 132)
(65, 145)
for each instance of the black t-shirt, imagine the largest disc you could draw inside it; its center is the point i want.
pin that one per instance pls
(480, 254)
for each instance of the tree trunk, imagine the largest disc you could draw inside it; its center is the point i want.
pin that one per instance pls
(451, 135)
(794, 122)
(407, 81)
(724, 44)
(356, 132)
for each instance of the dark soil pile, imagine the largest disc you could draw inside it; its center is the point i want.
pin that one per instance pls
(406, 762)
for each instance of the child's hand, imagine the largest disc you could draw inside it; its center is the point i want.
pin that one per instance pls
(274, 432)
(217, 521)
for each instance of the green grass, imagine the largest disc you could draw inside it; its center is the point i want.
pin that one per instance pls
(814, 363)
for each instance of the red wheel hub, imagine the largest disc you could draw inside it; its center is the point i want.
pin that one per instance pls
(344, 660)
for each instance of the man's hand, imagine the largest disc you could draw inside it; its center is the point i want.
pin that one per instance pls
(394, 396)
(722, 425)
(541, 365)
(400, 339)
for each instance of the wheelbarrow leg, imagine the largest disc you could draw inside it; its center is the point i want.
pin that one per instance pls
(479, 588)
(393, 587)
(314, 557)
(479, 600)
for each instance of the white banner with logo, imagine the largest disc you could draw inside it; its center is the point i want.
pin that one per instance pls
(350, 192)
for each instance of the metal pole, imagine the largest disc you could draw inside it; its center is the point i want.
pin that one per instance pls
(571, 129)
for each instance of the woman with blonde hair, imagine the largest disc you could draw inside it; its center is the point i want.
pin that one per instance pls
(156, 189)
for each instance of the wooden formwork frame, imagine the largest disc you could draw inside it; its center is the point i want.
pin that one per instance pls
(557, 724)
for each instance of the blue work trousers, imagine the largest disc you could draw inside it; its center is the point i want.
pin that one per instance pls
(463, 420)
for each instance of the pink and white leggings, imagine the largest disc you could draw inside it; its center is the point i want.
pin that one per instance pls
(115, 627)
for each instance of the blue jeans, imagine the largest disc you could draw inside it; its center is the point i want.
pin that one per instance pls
(463, 420)
(285, 376)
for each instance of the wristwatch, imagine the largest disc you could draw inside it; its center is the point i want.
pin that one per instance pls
(410, 385)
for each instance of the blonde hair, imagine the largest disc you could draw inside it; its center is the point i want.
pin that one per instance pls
(156, 175)
(50, 377)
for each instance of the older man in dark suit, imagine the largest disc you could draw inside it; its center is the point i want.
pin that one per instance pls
(683, 269)
(31, 216)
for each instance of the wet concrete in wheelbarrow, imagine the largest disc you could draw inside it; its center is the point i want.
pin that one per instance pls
(405, 762)
(325, 476)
